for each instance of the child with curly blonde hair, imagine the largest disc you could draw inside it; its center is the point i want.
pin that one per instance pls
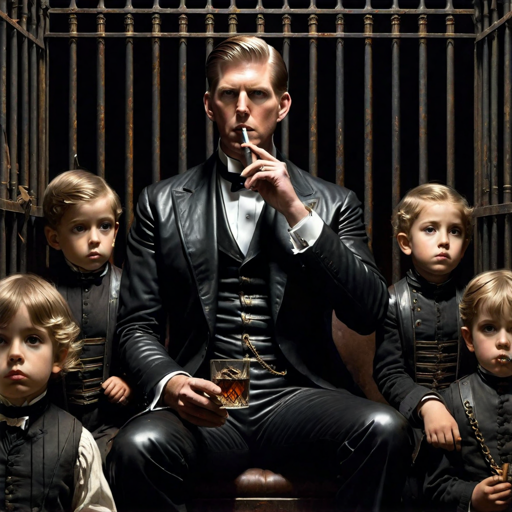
(48, 462)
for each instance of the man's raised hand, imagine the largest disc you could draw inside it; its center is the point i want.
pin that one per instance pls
(195, 401)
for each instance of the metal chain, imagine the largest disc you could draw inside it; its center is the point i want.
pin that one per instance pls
(480, 438)
(247, 341)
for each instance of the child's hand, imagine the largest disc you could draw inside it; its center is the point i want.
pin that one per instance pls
(441, 429)
(116, 390)
(491, 495)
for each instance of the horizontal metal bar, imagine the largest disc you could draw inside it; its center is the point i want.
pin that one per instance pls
(494, 209)
(13, 206)
(495, 26)
(261, 10)
(21, 30)
(273, 35)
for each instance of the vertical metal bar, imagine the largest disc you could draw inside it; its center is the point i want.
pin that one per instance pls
(210, 23)
(4, 171)
(313, 96)
(507, 135)
(368, 127)
(128, 168)
(395, 142)
(477, 106)
(13, 137)
(182, 95)
(422, 22)
(494, 136)
(285, 123)
(260, 24)
(486, 139)
(73, 91)
(232, 23)
(340, 101)
(450, 103)
(42, 108)
(155, 132)
(33, 107)
(100, 97)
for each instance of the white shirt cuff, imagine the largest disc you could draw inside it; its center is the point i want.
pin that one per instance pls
(161, 385)
(306, 232)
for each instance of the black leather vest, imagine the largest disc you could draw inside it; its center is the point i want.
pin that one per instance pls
(37, 465)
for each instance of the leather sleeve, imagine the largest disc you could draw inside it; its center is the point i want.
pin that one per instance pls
(391, 371)
(141, 316)
(341, 261)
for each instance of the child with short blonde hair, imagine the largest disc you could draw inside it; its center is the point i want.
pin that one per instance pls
(418, 350)
(82, 213)
(481, 403)
(48, 462)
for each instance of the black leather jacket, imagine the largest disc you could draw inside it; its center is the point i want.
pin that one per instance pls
(170, 278)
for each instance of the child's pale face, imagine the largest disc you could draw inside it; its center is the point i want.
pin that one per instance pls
(491, 341)
(27, 359)
(86, 234)
(436, 241)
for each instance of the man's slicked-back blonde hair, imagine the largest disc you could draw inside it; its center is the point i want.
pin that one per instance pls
(411, 205)
(491, 291)
(75, 187)
(242, 49)
(47, 309)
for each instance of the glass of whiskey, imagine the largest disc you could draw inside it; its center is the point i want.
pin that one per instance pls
(232, 376)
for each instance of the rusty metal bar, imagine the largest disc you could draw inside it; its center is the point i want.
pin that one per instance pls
(274, 35)
(33, 107)
(450, 103)
(285, 123)
(182, 95)
(313, 96)
(4, 171)
(128, 166)
(13, 137)
(73, 91)
(260, 24)
(477, 131)
(15, 207)
(368, 128)
(494, 137)
(492, 210)
(423, 100)
(20, 29)
(210, 24)
(485, 192)
(494, 27)
(395, 141)
(155, 97)
(100, 97)
(340, 102)
(507, 135)
(42, 110)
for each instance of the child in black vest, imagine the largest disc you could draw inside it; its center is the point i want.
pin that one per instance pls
(418, 351)
(48, 461)
(476, 478)
(82, 214)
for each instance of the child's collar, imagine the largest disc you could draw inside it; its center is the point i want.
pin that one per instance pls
(6, 402)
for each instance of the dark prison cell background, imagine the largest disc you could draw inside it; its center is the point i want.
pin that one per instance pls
(354, 79)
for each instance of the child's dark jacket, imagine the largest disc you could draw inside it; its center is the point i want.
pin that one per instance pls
(418, 347)
(454, 475)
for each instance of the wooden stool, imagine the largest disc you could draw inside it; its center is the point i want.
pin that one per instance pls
(264, 491)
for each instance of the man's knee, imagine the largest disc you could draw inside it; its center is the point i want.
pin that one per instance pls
(389, 428)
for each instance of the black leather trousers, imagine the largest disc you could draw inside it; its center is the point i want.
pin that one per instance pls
(365, 445)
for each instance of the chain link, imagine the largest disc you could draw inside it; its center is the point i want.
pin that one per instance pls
(248, 342)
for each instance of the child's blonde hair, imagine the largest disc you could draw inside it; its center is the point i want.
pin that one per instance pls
(74, 187)
(409, 208)
(491, 290)
(47, 309)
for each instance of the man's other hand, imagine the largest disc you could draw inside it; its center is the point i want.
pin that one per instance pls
(195, 401)
(270, 178)
(491, 495)
(441, 430)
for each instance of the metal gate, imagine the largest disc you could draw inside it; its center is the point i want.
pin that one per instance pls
(384, 97)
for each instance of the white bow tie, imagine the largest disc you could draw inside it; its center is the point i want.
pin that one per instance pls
(21, 422)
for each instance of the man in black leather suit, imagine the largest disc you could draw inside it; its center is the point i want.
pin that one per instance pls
(256, 272)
